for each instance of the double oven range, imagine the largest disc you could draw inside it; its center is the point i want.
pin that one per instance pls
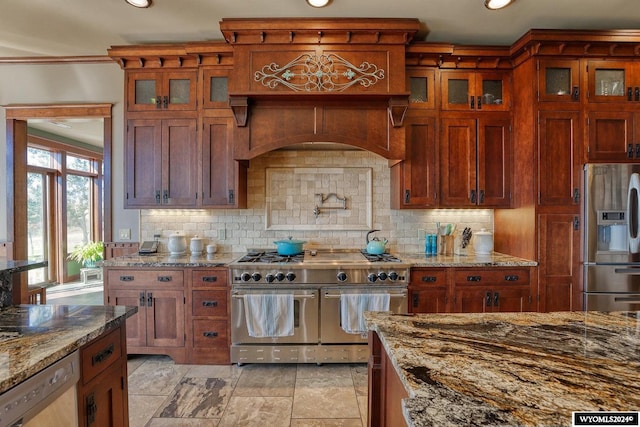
(317, 280)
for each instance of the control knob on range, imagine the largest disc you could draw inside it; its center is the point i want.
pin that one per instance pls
(342, 276)
(270, 278)
(291, 277)
(393, 275)
(256, 277)
(372, 277)
(382, 275)
(280, 276)
(245, 277)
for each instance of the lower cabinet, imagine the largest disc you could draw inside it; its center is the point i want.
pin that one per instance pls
(471, 290)
(159, 325)
(209, 316)
(102, 389)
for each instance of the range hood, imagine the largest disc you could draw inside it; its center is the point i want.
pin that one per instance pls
(319, 81)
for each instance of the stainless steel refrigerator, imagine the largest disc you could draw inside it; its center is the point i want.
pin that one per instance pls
(611, 240)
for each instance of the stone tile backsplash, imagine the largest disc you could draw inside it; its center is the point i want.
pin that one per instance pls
(235, 230)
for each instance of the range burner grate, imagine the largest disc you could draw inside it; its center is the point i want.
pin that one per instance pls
(270, 257)
(384, 257)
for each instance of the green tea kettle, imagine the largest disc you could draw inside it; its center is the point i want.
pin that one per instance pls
(375, 246)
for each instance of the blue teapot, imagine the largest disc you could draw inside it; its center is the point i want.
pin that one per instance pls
(375, 246)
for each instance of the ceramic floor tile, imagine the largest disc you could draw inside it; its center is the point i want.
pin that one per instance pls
(197, 398)
(258, 412)
(333, 397)
(311, 370)
(156, 376)
(214, 371)
(363, 404)
(266, 380)
(182, 422)
(142, 408)
(360, 379)
(351, 422)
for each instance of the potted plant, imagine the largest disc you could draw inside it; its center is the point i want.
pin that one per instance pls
(88, 254)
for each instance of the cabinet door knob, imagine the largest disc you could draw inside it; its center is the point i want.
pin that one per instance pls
(149, 299)
(630, 151)
(636, 93)
(488, 299)
(158, 197)
(575, 94)
(479, 103)
(471, 103)
(629, 93)
(165, 101)
(496, 299)
(472, 196)
(158, 102)
(415, 300)
(141, 299)
(638, 151)
(407, 196)
(481, 197)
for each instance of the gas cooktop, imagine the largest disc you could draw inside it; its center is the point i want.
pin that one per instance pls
(326, 257)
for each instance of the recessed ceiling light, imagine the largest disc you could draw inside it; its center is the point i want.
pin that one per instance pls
(497, 4)
(318, 3)
(139, 3)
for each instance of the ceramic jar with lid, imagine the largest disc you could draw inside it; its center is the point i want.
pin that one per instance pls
(196, 245)
(483, 242)
(177, 244)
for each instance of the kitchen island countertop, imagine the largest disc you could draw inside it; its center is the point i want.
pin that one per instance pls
(499, 369)
(163, 260)
(33, 337)
(495, 259)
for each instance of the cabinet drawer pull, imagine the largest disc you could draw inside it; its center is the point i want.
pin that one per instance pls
(209, 303)
(103, 355)
(512, 278)
(474, 278)
(429, 279)
(210, 279)
(210, 334)
(126, 278)
(165, 278)
(92, 409)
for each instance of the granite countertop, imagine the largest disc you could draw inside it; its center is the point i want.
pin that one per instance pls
(529, 369)
(15, 266)
(495, 259)
(167, 260)
(414, 259)
(33, 337)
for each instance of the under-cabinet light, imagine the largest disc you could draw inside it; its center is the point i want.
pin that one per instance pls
(139, 3)
(497, 4)
(318, 3)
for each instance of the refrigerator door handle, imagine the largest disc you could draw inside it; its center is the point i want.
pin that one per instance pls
(627, 299)
(633, 213)
(627, 270)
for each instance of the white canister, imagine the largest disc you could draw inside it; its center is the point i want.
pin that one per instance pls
(177, 244)
(483, 242)
(211, 248)
(196, 245)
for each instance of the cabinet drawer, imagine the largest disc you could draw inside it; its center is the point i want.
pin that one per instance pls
(209, 303)
(510, 276)
(209, 278)
(99, 355)
(208, 333)
(428, 277)
(169, 278)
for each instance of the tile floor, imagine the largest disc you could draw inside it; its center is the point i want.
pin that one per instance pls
(162, 393)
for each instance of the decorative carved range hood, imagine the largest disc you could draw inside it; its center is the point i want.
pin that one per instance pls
(319, 80)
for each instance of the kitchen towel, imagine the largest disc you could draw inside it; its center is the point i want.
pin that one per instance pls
(352, 307)
(269, 315)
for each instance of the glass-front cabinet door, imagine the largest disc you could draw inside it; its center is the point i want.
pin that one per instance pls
(478, 91)
(216, 88)
(421, 84)
(558, 80)
(161, 90)
(613, 81)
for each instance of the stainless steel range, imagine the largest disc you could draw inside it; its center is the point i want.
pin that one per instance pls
(320, 296)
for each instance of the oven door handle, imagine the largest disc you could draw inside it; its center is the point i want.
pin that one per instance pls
(240, 296)
(391, 294)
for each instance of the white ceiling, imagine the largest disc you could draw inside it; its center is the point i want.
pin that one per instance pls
(90, 27)
(31, 28)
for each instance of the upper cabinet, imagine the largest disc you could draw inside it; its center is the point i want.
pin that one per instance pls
(475, 90)
(215, 84)
(559, 80)
(421, 86)
(161, 90)
(613, 81)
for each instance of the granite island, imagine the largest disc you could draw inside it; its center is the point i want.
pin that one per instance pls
(501, 369)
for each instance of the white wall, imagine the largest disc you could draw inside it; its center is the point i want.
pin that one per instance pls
(67, 83)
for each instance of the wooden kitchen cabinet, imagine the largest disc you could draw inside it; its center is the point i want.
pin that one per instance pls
(159, 325)
(559, 255)
(414, 181)
(614, 135)
(559, 158)
(475, 90)
(475, 162)
(161, 90)
(559, 80)
(209, 316)
(428, 290)
(613, 81)
(492, 290)
(421, 87)
(160, 156)
(102, 389)
(224, 180)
